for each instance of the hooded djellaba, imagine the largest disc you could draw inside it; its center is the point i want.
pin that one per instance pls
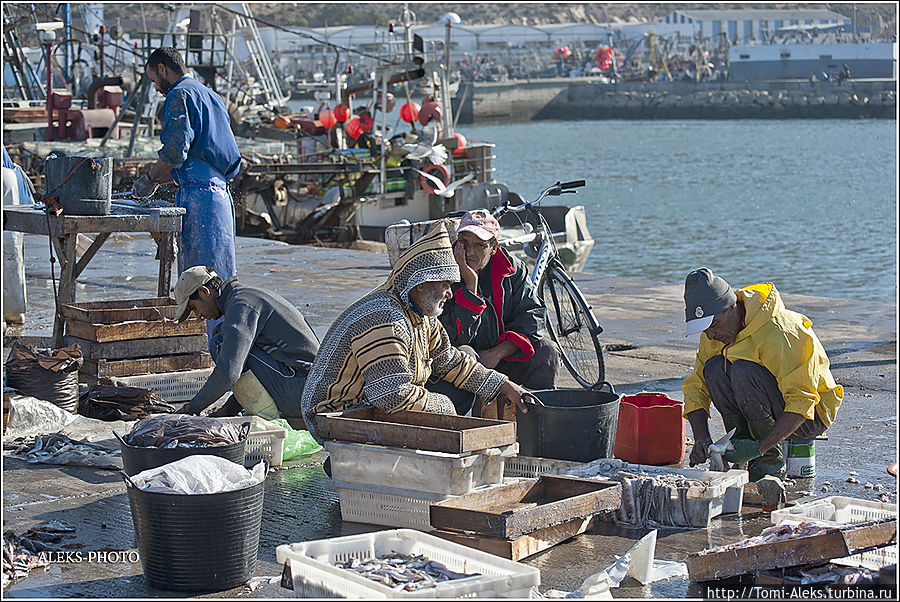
(382, 350)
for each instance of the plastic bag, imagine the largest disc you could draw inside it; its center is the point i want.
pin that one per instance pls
(168, 430)
(297, 443)
(197, 475)
(45, 374)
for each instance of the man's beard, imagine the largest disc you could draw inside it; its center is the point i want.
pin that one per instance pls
(431, 304)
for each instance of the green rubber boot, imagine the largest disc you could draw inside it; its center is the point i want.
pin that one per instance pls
(770, 463)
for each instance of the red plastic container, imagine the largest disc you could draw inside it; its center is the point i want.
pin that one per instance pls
(651, 429)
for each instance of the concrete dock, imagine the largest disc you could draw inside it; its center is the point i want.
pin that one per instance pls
(647, 350)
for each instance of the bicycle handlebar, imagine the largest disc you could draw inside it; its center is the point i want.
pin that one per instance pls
(572, 184)
(555, 190)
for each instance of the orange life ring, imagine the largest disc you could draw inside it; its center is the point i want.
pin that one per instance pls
(438, 171)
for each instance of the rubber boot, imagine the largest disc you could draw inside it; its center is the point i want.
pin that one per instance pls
(771, 462)
(254, 398)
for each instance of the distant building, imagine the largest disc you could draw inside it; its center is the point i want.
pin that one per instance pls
(749, 26)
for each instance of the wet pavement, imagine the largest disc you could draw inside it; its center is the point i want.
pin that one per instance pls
(643, 328)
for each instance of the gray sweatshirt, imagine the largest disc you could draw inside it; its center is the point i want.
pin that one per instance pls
(253, 317)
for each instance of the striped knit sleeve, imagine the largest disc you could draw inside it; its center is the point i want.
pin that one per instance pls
(459, 369)
(382, 356)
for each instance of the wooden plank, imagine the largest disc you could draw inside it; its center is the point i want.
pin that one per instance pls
(123, 310)
(102, 368)
(723, 563)
(514, 509)
(115, 350)
(91, 251)
(139, 329)
(416, 430)
(24, 218)
(523, 546)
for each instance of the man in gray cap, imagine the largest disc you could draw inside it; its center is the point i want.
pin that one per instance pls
(762, 367)
(263, 347)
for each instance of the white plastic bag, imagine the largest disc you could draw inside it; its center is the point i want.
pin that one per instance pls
(199, 474)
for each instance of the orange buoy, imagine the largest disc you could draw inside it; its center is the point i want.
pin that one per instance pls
(327, 118)
(438, 171)
(341, 113)
(354, 128)
(409, 112)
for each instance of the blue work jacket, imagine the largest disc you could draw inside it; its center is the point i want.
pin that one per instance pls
(197, 136)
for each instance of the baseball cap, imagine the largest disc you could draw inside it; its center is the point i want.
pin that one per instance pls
(190, 280)
(480, 223)
(705, 295)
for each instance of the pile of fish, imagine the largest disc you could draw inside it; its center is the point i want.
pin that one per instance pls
(657, 500)
(23, 553)
(56, 448)
(109, 400)
(782, 533)
(402, 572)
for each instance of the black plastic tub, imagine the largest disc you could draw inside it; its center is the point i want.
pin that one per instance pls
(573, 424)
(139, 459)
(197, 542)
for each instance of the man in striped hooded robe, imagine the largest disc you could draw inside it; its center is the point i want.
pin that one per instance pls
(382, 350)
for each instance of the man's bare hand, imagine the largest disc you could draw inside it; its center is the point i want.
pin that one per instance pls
(699, 453)
(511, 393)
(469, 276)
(489, 358)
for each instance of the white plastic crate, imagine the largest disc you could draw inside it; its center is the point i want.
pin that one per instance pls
(315, 576)
(266, 440)
(416, 470)
(839, 511)
(170, 386)
(529, 466)
(721, 492)
(387, 506)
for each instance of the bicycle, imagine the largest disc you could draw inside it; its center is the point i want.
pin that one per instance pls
(570, 318)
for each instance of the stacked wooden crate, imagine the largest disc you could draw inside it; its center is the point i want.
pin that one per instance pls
(137, 342)
(389, 468)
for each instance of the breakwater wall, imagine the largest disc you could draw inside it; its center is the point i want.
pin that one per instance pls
(585, 99)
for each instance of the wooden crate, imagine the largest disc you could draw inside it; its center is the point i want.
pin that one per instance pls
(103, 368)
(728, 562)
(143, 348)
(513, 509)
(135, 330)
(522, 546)
(416, 430)
(124, 310)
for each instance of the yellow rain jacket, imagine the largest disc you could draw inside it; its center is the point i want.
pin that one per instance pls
(781, 340)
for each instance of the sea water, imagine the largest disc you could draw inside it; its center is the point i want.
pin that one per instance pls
(810, 205)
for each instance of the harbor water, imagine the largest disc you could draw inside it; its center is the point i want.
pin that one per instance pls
(810, 205)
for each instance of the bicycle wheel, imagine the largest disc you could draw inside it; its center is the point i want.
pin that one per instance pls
(573, 326)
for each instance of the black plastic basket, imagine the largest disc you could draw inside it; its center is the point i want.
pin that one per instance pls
(195, 543)
(138, 459)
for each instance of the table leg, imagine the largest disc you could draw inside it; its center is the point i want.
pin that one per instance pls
(166, 253)
(66, 293)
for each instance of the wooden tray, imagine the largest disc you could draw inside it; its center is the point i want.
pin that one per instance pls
(720, 563)
(102, 368)
(514, 509)
(416, 430)
(137, 330)
(522, 546)
(124, 310)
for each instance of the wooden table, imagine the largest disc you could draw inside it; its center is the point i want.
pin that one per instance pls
(64, 231)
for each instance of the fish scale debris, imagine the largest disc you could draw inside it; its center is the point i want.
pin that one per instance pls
(402, 572)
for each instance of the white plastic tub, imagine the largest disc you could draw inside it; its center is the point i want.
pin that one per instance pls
(529, 467)
(177, 386)
(386, 506)
(266, 440)
(315, 575)
(416, 470)
(840, 511)
(721, 492)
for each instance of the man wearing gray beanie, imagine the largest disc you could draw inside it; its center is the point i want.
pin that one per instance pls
(762, 367)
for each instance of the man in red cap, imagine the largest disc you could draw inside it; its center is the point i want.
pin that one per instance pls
(495, 310)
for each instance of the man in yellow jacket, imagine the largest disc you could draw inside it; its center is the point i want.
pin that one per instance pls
(762, 367)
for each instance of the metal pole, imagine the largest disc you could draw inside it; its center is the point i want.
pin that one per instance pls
(49, 67)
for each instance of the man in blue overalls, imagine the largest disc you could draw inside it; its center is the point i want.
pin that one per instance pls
(200, 156)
